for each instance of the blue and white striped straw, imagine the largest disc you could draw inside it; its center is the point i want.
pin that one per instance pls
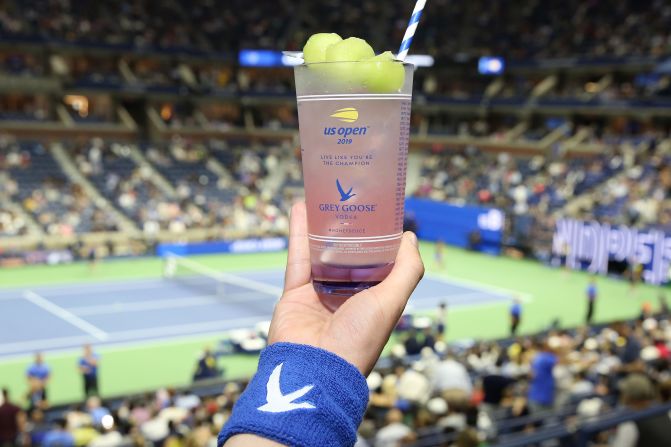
(410, 30)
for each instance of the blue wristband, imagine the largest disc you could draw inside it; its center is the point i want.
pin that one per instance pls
(301, 396)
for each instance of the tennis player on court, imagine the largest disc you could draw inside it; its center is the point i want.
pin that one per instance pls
(310, 388)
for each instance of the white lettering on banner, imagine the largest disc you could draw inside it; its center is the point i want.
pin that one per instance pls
(590, 245)
(492, 220)
(618, 244)
(257, 245)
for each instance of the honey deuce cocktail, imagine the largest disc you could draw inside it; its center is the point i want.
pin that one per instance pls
(354, 118)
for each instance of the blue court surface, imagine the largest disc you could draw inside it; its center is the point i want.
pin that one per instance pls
(66, 316)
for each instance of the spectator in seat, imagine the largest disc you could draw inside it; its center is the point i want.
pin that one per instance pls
(395, 432)
(468, 438)
(96, 410)
(450, 375)
(206, 368)
(542, 386)
(429, 338)
(12, 421)
(494, 386)
(629, 350)
(638, 393)
(59, 436)
(37, 428)
(413, 344)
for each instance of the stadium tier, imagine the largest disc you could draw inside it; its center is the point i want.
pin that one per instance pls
(149, 160)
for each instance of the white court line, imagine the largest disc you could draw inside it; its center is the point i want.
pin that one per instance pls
(76, 290)
(525, 297)
(79, 289)
(175, 330)
(27, 346)
(148, 343)
(63, 314)
(191, 301)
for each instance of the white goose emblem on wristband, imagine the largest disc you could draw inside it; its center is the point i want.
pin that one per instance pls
(276, 402)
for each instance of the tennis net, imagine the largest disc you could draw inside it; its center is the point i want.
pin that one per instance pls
(209, 281)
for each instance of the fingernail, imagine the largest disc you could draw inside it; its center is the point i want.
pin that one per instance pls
(412, 238)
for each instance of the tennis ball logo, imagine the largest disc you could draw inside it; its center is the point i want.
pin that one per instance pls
(347, 115)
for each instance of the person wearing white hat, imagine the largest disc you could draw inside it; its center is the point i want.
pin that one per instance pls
(451, 374)
(392, 434)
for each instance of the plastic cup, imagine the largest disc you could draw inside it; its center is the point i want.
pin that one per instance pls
(354, 147)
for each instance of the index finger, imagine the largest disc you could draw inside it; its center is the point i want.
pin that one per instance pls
(408, 270)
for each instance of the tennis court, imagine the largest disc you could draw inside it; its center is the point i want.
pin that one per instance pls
(193, 302)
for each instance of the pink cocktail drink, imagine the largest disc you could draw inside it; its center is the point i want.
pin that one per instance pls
(354, 147)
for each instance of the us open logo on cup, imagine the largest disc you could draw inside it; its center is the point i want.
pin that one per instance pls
(345, 133)
(347, 115)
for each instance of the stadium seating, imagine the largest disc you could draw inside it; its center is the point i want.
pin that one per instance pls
(56, 204)
(582, 417)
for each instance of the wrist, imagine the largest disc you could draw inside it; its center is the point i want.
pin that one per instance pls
(301, 396)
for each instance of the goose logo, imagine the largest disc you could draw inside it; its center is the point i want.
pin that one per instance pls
(344, 196)
(346, 115)
(278, 402)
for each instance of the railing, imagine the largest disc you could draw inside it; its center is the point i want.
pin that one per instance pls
(575, 435)
(585, 432)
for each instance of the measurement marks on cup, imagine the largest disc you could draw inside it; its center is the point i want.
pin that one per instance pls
(402, 162)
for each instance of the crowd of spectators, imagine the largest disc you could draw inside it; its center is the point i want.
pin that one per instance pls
(238, 197)
(640, 196)
(34, 180)
(64, 209)
(450, 32)
(511, 183)
(628, 182)
(20, 64)
(563, 376)
(567, 29)
(11, 223)
(110, 168)
(208, 185)
(427, 392)
(156, 74)
(17, 107)
(87, 70)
